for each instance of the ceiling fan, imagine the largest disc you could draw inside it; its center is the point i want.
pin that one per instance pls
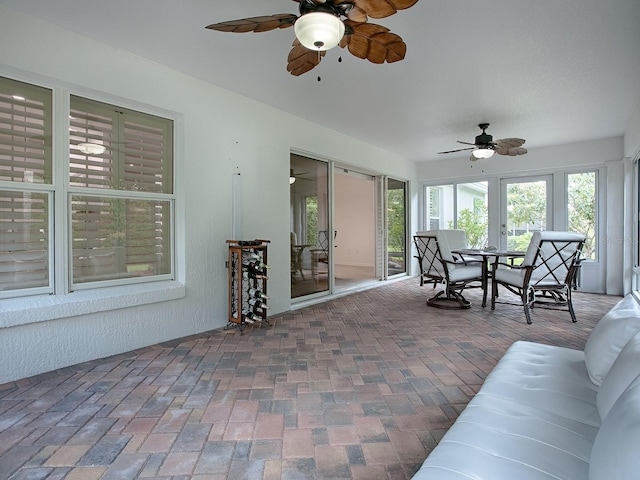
(485, 147)
(295, 176)
(321, 27)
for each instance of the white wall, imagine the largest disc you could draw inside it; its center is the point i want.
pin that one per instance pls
(632, 135)
(222, 133)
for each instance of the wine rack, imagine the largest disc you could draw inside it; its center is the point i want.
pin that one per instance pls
(247, 283)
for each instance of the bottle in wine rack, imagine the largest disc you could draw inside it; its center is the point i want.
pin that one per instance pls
(257, 303)
(257, 266)
(257, 293)
(252, 274)
(250, 317)
(254, 259)
(254, 268)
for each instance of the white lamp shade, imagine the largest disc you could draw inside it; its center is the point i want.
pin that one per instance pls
(319, 30)
(483, 152)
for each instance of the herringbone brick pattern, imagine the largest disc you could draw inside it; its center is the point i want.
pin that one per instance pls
(361, 387)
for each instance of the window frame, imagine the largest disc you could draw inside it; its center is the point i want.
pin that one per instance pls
(120, 115)
(60, 298)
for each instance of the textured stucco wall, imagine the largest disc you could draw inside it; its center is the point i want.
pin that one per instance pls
(219, 134)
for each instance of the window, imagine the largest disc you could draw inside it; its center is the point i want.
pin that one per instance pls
(113, 197)
(120, 215)
(462, 206)
(581, 209)
(433, 207)
(25, 186)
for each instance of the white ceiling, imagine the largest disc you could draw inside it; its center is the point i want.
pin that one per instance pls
(549, 71)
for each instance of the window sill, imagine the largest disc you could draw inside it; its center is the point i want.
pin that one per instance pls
(27, 310)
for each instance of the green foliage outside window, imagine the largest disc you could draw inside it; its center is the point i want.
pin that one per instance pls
(396, 220)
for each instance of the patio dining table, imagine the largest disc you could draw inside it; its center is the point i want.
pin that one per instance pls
(490, 257)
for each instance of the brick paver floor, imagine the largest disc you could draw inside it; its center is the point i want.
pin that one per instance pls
(361, 387)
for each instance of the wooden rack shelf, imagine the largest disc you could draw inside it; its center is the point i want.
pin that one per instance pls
(247, 283)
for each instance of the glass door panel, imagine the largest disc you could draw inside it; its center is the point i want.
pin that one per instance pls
(396, 226)
(309, 225)
(526, 208)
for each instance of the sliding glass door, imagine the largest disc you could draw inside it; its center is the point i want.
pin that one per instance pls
(396, 221)
(348, 228)
(309, 226)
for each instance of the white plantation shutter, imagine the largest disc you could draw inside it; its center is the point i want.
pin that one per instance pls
(114, 211)
(24, 249)
(124, 229)
(138, 148)
(147, 145)
(25, 132)
(25, 161)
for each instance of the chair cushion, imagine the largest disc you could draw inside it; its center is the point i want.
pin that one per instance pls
(532, 249)
(443, 245)
(465, 272)
(457, 239)
(608, 337)
(615, 449)
(624, 370)
(512, 276)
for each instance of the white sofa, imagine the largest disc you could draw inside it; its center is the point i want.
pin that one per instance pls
(548, 412)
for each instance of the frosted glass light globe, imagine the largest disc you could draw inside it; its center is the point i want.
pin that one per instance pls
(319, 30)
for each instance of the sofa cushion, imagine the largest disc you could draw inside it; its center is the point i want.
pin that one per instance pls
(608, 337)
(543, 377)
(615, 449)
(624, 370)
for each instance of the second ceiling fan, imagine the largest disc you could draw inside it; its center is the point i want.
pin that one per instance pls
(485, 147)
(323, 24)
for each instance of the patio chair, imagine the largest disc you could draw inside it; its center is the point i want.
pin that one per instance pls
(440, 266)
(546, 274)
(296, 257)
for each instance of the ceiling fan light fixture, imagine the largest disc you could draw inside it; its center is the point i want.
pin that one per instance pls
(91, 148)
(319, 30)
(483, 152)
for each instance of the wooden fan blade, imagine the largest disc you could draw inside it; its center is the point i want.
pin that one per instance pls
(510, 146)
(465, 143)
(373, 42)
(357, 15)
(512, 152)
(459, 150)
(301, 59)
(382, 8)
(255, 24)
(511, 142)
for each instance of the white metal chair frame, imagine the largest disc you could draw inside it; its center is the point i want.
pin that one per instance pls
(546, 275)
